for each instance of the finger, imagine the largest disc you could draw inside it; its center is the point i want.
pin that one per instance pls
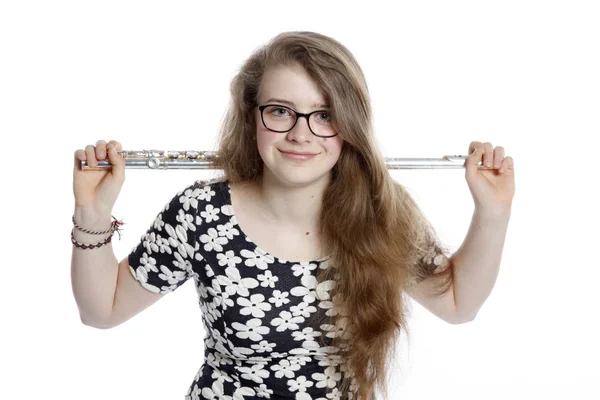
(79, 156)
(101, 150)
(116, 145)
(474, 145)
(488, 156)
(90, 153)
(118, 164)
(474, 157)
(507, 164)
(498, 156)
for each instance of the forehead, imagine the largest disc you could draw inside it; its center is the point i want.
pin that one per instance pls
(293, 84)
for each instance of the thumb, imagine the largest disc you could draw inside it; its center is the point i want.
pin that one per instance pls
(77, 164)
(118, 164)
(472, 161)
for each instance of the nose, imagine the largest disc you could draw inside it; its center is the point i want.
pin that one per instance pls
(301, 131)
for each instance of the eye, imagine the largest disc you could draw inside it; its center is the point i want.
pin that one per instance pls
(323, 116)
(279, 111)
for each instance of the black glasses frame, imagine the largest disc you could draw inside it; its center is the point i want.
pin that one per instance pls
(298, 116)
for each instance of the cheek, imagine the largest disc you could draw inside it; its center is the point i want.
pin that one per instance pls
(333, 146)
(266, 135)
(265, 138)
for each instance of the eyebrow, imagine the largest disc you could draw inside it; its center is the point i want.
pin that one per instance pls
(291, 103)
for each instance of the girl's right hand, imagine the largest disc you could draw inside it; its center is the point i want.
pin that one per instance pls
(96, 191)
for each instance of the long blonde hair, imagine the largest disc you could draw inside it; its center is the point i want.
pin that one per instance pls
(374, 231)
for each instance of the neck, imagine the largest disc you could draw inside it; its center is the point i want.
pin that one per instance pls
(291, 205)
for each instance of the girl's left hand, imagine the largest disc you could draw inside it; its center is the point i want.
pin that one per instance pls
(492, 189)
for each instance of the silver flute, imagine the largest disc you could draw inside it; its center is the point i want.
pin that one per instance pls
(173, 159)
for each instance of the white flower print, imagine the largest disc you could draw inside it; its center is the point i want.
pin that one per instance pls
(186, 220)
(429, 255)
(221, 298)
(279, 298)
(189, 198)
(303, 309)
(158, 222)
(209, 271)
(251, 330)
(227, 209)
(178, 238)
(212, 241)
(308, 289)
(149, 263)
(259, 359)
(172, 277)
(234, 283)
(149, 243)
(303, 268)
(211, 213)
(220, 376)
(240, 392)
(255, 373)
(263, 347)
(307, 333)
(227, 230)
(210, 312)
(193, 393)
(327, 379)
(242, 353)
(263, 391)
(267, 279)
(335, 394)
(229, 258)
(284, 368)
(180, 263)
(255, 306)
(323, 288)
(311, 345)
(330, 360)
(215, 392)
(205, 193)
(286, 321)
(300, 384)
(258, 258)
(141, 274)
(336, 330)
(299, 359)
(163, 245)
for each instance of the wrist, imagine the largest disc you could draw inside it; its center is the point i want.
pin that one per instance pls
(495, 214)
(92, 220)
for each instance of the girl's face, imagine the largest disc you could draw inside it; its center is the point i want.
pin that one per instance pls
(292, 87)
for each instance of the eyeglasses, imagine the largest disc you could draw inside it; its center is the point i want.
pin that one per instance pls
(279, 118)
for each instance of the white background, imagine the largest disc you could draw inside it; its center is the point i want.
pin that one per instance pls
(520, 74)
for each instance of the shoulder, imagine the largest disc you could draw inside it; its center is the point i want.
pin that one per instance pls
(200, 191)
(215, 185)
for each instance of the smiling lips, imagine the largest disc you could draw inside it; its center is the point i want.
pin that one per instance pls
(297, 156)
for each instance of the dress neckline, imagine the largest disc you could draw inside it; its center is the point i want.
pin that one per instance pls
(249, 239)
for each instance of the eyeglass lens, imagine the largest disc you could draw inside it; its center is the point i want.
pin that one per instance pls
(279, 118)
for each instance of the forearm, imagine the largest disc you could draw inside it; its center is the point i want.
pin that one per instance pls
(93, 272)
(477, 262)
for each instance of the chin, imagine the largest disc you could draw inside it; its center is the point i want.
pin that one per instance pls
(303, 178)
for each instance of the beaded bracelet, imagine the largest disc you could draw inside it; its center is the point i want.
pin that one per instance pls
(90, 246)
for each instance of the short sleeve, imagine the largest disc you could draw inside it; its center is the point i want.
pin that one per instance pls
(433, 261)
(164, 257)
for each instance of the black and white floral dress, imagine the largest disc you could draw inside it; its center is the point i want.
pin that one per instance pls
(258, 310)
